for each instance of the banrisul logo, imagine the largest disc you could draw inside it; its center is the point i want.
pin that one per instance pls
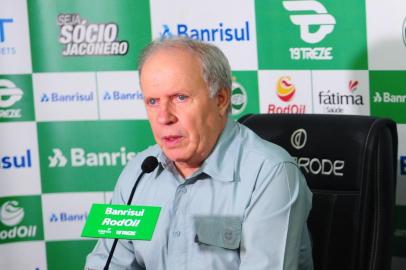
(220, 32)
(79, 157)
(55, 96)
(388, 94)
(239, 98)
(388, 97)
(89, 164)
(336, 101)
(82, 38)
(309, 15)
(67, 217)
(10, 94)
(285, 90)
(119, 95)
(20, 219)
(16, 161)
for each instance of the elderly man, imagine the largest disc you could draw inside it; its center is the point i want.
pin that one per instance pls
(229, 199)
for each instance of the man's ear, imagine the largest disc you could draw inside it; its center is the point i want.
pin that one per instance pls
(223, 101)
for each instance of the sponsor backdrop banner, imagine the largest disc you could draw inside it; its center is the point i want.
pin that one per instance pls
(72, 114)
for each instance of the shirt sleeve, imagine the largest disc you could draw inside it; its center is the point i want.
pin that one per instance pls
(274, 230)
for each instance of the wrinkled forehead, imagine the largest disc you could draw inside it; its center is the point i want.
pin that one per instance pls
(177, 49)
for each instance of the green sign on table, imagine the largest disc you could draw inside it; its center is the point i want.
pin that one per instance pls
(121, 221)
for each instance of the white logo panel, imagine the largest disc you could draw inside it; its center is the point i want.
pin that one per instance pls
(23, 255)
(65, 96)
(341, 92)
(385, 32)
(120, 96)
(228, 25)
(19, 165)
(15, 53)
(65, 214)
(284, 91)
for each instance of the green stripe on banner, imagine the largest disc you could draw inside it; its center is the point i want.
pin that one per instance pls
(68, 255)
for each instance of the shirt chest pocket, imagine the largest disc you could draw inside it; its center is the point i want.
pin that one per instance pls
(219, 231)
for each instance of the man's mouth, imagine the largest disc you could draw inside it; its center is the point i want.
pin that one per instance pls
(172, 140)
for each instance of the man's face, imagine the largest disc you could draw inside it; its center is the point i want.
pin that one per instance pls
(185, 121)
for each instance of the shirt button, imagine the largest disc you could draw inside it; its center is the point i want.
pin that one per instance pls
(176, 234)
(183, 189)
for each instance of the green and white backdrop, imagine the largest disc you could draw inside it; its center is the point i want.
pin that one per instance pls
(71, 110)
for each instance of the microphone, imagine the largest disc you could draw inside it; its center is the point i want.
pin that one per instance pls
(148, 165)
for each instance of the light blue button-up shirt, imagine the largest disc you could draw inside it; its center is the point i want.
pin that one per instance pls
(245, 208)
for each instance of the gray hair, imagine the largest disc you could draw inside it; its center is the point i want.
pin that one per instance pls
(216, 69)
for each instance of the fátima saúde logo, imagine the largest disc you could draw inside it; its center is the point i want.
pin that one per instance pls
(239, 98)
(285, 91)
(80, 37)
(9, 95)
(11, 216)
(308, 15)
(336, 101)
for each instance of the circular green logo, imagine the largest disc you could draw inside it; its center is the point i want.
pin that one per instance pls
(11, 214)
(238, 98)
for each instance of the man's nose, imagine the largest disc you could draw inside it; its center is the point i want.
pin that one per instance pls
(166, 115)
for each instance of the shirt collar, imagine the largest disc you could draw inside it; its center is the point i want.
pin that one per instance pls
(220, 164)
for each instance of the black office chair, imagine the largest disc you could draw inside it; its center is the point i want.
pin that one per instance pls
(350, 165)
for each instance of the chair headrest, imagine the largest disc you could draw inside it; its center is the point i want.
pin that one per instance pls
(329, 149)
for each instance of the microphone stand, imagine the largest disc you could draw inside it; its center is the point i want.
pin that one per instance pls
(113, 247)
(148, 166)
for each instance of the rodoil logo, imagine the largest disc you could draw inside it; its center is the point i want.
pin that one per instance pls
(285, 91)
(79, 157)
(11, 215)
(311, 15)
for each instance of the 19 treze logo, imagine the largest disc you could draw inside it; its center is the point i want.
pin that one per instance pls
(311, 14)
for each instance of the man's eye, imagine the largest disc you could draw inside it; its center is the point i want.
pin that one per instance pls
(152, 101)
(181, 97)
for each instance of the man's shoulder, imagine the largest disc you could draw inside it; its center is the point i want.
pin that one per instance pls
(255, 149)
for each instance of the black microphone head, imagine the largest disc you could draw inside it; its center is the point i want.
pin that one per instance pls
(149, 164)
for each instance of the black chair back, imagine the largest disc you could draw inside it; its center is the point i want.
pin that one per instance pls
(349, 162)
